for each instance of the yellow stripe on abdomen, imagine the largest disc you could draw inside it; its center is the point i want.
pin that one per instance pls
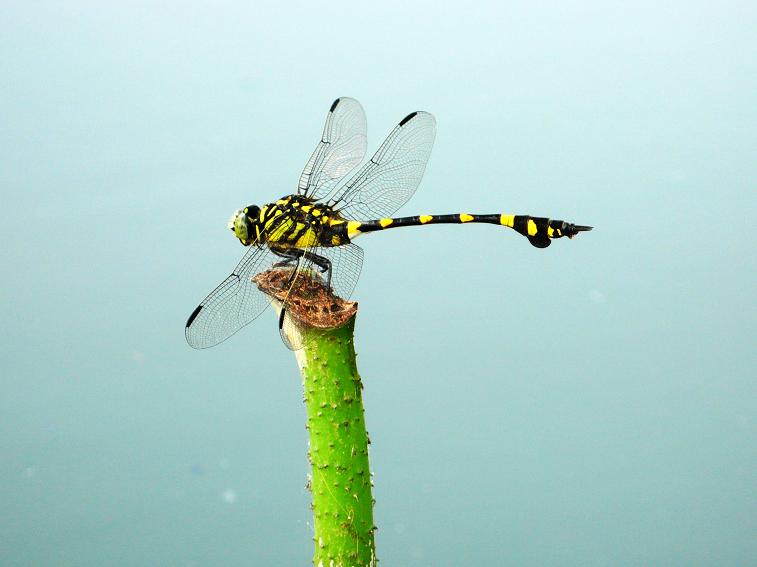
(353, 228)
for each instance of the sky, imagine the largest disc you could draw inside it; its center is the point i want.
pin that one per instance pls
(592, 403)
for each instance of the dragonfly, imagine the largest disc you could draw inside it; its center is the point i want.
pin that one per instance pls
(310, 233)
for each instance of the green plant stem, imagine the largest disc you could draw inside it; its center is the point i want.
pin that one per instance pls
(340, 478)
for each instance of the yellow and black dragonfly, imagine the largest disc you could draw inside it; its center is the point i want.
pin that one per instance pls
(310, 233)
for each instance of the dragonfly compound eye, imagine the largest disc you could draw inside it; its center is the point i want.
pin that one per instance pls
(253, 212)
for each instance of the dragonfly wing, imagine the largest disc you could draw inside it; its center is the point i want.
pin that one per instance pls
(341, 149)
(236, 301)
(346, 264)
(392, 175)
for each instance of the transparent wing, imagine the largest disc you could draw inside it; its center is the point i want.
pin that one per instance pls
(346, 264)
(341, 149)
(236, 301)
(233, 304)
(392, 175)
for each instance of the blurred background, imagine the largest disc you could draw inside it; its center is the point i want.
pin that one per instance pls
(589, 404)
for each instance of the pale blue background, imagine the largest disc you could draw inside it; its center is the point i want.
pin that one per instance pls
(587, 405)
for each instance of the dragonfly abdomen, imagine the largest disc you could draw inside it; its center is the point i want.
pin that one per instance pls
(538, 230)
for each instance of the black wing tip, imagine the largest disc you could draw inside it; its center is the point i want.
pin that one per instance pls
(334, 105)
(193, 316)
(408, 118)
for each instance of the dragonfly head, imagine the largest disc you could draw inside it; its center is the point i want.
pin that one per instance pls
(242, 223)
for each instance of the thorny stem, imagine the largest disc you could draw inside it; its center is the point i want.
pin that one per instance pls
(340, 478)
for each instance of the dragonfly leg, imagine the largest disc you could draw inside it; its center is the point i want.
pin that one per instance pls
(292, 256)
(291, 260)
(287, 253)
(322, 262)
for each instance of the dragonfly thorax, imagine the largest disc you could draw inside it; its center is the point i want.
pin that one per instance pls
(295, 221)
(243, 223)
